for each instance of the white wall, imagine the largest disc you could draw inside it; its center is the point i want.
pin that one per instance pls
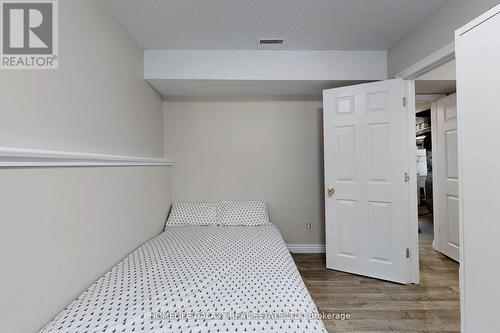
(266, 148)
(478, 51)
(97, 101)
(434, 33)
(264, 65)
(61, 228)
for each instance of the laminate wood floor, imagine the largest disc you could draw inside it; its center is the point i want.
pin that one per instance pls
(379, 306)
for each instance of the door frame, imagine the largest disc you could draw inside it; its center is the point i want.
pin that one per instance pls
(435, 242)
(425, 65)
(432, 98)
(436, 59)
(412, 172)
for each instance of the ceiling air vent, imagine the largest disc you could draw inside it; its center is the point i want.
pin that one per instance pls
(271, 41)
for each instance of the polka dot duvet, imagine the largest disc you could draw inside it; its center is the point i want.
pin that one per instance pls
(198, 279)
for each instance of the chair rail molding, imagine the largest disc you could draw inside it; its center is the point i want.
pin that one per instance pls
(23, 157)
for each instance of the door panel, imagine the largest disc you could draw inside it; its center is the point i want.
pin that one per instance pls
(366, 155)
(346, 153)
(346, 215)
(451, 146)
(380, 220)
(379, 152)
(452, 221)
(445, 159)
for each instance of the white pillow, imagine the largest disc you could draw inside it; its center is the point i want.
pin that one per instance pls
(193, 213)
(243, 213)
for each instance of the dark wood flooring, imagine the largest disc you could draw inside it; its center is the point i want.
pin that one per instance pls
(379, 306)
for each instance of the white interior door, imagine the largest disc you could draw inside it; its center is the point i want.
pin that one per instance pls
(445, 177)
(366, 179)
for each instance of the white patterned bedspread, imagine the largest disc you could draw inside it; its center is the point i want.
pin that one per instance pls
(198, 279)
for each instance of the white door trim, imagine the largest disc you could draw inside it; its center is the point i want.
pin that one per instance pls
(436, 241)
(478, 20)
(412, 171)
(432, 61)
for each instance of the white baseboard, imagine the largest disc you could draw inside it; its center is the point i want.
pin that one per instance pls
(306, 248)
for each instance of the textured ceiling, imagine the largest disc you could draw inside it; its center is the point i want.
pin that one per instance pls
(238, 24)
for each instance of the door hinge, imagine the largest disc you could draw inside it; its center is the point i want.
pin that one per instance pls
(407, 253)
(404, 101)
(406, 177)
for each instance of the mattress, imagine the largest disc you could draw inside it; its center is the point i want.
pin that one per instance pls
(198, 279)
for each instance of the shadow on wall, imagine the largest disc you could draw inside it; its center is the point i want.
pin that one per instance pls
(251, 148)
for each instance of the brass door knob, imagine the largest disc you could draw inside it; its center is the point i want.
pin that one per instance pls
(331, 190)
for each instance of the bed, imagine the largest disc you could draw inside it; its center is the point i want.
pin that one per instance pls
(198, 278)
